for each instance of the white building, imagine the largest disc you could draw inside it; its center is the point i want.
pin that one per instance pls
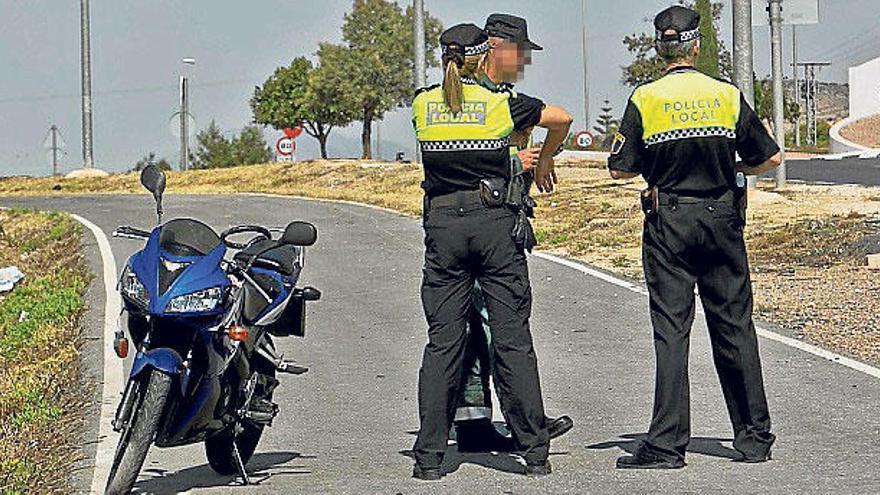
(864, 89)
(864, 101)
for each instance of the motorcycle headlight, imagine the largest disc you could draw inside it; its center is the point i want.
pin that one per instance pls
(195, 302)
(133, 288)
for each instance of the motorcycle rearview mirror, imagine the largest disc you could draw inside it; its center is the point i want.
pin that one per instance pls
(153, 180)
(300, 234)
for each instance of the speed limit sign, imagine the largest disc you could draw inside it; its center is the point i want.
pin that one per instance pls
(583, 139)
(285, 146)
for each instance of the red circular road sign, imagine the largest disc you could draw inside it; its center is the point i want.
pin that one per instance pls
(285, 146)
(583, 139)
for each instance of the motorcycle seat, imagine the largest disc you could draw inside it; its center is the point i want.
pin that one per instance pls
(277, 257)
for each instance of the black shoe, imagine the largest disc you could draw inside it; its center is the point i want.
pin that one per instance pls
(557, 427)
(757, 459)
(538, 470)
(644, 459)
(426, 474)
(480, 435)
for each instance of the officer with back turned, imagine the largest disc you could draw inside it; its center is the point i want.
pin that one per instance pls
(682, 133)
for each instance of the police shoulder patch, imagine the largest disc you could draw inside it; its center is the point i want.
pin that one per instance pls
(617, 144)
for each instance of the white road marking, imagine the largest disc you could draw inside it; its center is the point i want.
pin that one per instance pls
(639, 289)
(767, 334)
(113, 370)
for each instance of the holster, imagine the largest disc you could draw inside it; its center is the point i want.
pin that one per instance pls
(650, 202)
(494, 192)
(523, 205)
(741, 203)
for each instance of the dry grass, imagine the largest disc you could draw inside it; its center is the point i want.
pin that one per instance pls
(807, 243)
(865, 132)
(40, 391)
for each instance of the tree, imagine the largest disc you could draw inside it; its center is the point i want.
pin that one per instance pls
(150, 159)
(213, 150)
(300, 94)
(764, 103)
(250, 147)
(606, 125)
(378, 64)
(707, 60)
(648, 67)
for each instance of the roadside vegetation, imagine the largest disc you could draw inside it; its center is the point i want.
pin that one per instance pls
(808, 244)
(40, 389)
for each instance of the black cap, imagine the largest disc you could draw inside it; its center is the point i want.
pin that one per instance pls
(684, 21)
(510, 27)
(464, 40)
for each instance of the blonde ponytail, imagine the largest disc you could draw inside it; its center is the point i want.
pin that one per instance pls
(472, 67)
(452, 93)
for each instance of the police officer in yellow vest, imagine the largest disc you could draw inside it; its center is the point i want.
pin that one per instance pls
(464, 130)
(509, 52)
(682, 133)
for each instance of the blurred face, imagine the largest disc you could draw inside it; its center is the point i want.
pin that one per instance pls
(510, 59)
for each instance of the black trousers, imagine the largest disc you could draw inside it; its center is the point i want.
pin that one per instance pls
(463, 244)
(701, 242)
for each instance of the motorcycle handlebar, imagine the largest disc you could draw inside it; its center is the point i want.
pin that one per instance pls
(131, 233)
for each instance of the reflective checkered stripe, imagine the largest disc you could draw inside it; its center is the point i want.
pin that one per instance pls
(466, 145)
(677, 134)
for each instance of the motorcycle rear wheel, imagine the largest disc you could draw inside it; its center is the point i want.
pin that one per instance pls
(136, 438)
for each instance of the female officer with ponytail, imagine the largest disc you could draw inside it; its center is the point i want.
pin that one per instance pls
(464, 132)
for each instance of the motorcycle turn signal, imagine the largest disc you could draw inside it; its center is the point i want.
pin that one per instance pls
(237, 333)
(120, 345)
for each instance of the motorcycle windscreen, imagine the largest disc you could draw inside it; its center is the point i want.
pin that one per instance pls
(183, 238)
(187, 237)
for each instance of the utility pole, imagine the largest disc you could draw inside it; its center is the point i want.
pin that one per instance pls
(379, 140)
(54, 146)
(810, 91)
(420, 77)
(797, 85)
(184, 114)
(778, 93)
(743, 64)
(86, 78)
(586, 68)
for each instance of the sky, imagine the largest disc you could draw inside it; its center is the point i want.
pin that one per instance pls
(137, 49)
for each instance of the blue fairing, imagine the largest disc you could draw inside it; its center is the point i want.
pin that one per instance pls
(284, 284)
(204, 272)
(161, 359)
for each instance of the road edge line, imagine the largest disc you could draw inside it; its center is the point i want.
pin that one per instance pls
(113, 370)
(763, 332)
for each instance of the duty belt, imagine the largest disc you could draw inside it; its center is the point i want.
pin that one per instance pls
(458, 199)
(672, 199)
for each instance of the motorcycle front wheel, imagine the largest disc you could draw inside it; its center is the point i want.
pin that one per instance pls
(138, 435)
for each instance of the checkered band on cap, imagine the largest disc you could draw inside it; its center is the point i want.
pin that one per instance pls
(686, 36)
(476, 50)
(466, 145)
(677, 134)
(683, 37)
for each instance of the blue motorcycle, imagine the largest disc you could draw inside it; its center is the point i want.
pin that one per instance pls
(202, 324)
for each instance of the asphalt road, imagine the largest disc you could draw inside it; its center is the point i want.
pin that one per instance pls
(344, 425)
(865, 172)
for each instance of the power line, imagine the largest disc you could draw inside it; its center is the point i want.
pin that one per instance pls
(123, 91)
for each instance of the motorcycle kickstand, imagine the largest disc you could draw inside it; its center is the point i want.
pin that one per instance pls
(245, 479)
